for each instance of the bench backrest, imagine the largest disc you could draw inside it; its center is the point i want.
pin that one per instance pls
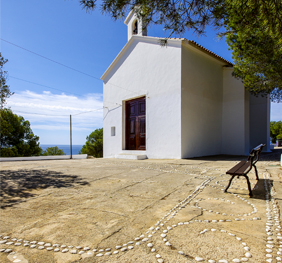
(254, 154)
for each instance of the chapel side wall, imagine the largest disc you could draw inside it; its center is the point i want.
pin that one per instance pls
(260, 121)
(145, 69)
(235, 115)
(201, 104)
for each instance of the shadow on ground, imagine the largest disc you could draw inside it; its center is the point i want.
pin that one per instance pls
(274, 155)
(17, 186)
(258, 190)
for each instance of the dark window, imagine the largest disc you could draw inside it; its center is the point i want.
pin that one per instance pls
(135, 28)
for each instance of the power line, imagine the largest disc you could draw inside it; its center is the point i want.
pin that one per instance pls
(33, 113)
(87, 111)
(125, 88)
(61, 64)
(43, 85)
(63, 90)
(57, 89)
(115, 103)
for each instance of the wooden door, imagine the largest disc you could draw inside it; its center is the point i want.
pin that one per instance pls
(136, 124)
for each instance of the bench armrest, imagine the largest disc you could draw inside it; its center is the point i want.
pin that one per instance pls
(259, 146)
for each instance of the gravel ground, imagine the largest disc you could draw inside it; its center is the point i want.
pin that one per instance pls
(109, 210)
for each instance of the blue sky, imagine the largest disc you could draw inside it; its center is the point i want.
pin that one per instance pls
(59, 30)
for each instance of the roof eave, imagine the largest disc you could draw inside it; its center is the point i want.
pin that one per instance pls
(127, 45)
(205, 50)
(117, 58)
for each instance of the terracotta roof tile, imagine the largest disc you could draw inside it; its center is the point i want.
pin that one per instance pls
(193, 43)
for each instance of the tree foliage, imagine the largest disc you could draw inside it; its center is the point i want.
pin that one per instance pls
(4, 88)
(94, 144)
(53, 151)
(275, 130)
(257, 46)
(176, 16)
(253, 29)
(16, 136)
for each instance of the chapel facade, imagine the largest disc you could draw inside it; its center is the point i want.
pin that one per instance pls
(172, 98)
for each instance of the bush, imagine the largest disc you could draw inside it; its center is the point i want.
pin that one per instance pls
(94, 144)
(53, 151)
(275, 130)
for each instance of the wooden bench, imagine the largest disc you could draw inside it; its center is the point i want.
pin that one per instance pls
(243, 167)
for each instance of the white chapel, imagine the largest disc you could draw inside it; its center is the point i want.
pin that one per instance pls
(173, 99)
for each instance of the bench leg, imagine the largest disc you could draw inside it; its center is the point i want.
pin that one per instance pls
(256, 171)
(249, 186)
(229, 183)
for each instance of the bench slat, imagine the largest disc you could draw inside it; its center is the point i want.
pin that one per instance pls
(236, 167)
(239, 168)
(243, 168)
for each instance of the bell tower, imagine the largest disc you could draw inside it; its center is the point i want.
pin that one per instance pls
(135, 26)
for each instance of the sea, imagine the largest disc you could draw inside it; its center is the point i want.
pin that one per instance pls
(65, 148)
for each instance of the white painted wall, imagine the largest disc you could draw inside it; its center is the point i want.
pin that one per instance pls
(259, 122)
(246, 118)
(145, 68)
(201, 103)
(235, 115)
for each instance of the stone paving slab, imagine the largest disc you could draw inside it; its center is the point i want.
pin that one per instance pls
(109, 210)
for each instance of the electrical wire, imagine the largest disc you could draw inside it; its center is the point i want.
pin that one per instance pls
(43, 85)
(56, 89)
(87, 111)
(33, 113)
(59, 90)
(61, 64)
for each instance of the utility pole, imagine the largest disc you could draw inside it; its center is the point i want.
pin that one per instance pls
(70, 139)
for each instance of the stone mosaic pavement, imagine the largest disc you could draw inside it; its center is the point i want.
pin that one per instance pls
(108, 210)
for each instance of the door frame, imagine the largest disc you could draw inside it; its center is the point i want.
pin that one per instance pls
(124, 143)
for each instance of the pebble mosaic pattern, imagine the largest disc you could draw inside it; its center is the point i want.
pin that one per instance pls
(163, 228)
(273, 228)
(231, 203)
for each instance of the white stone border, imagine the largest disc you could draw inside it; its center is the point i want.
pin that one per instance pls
(223, 199)
(273, 221)
(247, 254)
